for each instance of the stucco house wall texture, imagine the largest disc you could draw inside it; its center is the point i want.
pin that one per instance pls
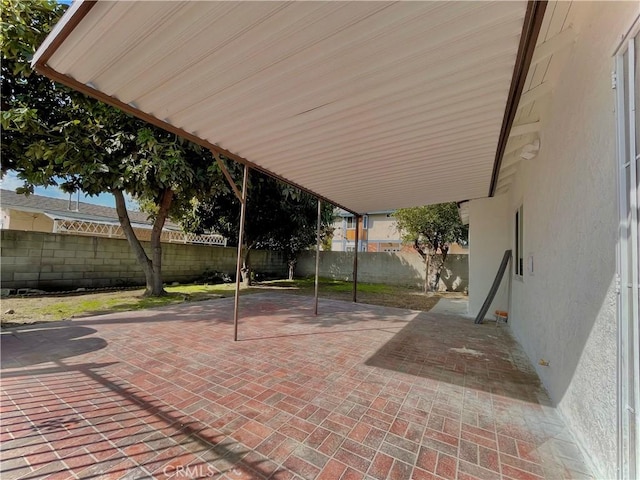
(488, 239)
(564, 312)
(29, 221)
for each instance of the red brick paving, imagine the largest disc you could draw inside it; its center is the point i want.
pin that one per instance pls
(359, 392)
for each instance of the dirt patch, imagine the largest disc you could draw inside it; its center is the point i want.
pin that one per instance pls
(407, 299)
(373, 294)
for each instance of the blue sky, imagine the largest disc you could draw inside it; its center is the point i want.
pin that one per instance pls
(11, 182)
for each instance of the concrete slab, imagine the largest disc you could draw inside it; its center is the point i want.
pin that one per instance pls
(452, 306)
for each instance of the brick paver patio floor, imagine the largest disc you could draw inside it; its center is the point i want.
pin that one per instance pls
(357, 392)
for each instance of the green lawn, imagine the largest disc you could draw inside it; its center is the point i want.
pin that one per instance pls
(47, 308)
(51, 308)
(335, 286)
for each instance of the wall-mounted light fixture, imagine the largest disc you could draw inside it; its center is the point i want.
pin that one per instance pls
(530, 150)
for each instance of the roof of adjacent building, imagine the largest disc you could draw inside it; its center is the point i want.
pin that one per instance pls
(58, 208)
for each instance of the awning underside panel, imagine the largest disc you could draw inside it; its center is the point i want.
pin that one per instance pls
(373, 105)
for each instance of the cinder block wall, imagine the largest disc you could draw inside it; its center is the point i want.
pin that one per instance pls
(401, 268)
(54, 262)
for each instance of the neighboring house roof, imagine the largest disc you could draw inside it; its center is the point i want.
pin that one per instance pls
(61, 209)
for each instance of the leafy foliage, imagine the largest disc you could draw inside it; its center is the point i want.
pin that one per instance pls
(53, 135)
(279, 217)
(432, 229)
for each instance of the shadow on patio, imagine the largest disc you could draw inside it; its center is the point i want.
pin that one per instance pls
(456, 351)
(105, 426)
(33, 344)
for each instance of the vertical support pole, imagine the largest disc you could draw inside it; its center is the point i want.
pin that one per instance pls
(355, 260)
(317, 283)
(243, 208)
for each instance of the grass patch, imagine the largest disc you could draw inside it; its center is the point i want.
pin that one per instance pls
(51, 308)
(371, 293)
(67, 309)
(330, 285)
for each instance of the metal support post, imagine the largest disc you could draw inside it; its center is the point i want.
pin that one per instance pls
(317, 283)
(243, 208)
(355, 260)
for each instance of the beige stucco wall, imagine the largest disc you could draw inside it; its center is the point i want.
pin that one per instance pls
(489, 229)
(456, 249)
(565, 310)
(32, 222)
(382, 227)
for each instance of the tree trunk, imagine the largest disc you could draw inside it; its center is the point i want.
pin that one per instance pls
(427, 259)
(445, 252)
(156, 246)
(427, 262)
(245, 271)
(152, 268)
(292, 266)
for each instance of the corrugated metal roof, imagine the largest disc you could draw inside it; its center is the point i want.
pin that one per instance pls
(373, 105)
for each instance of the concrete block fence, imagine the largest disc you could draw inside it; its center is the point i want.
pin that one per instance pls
(51, 261)
(400, 268)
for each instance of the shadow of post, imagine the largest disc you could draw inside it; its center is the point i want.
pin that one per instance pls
(31, 345)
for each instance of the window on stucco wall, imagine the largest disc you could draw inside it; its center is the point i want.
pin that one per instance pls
(351, 223)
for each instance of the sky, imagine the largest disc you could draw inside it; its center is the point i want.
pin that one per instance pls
(11, 182)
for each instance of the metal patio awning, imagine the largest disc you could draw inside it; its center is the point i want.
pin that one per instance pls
(370, 105)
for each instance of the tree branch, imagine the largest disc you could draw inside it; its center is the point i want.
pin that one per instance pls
(163, 212)
(419, 249)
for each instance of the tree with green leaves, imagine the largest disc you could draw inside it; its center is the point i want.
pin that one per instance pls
(432, 229)
(279, 217)
(53, 135)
